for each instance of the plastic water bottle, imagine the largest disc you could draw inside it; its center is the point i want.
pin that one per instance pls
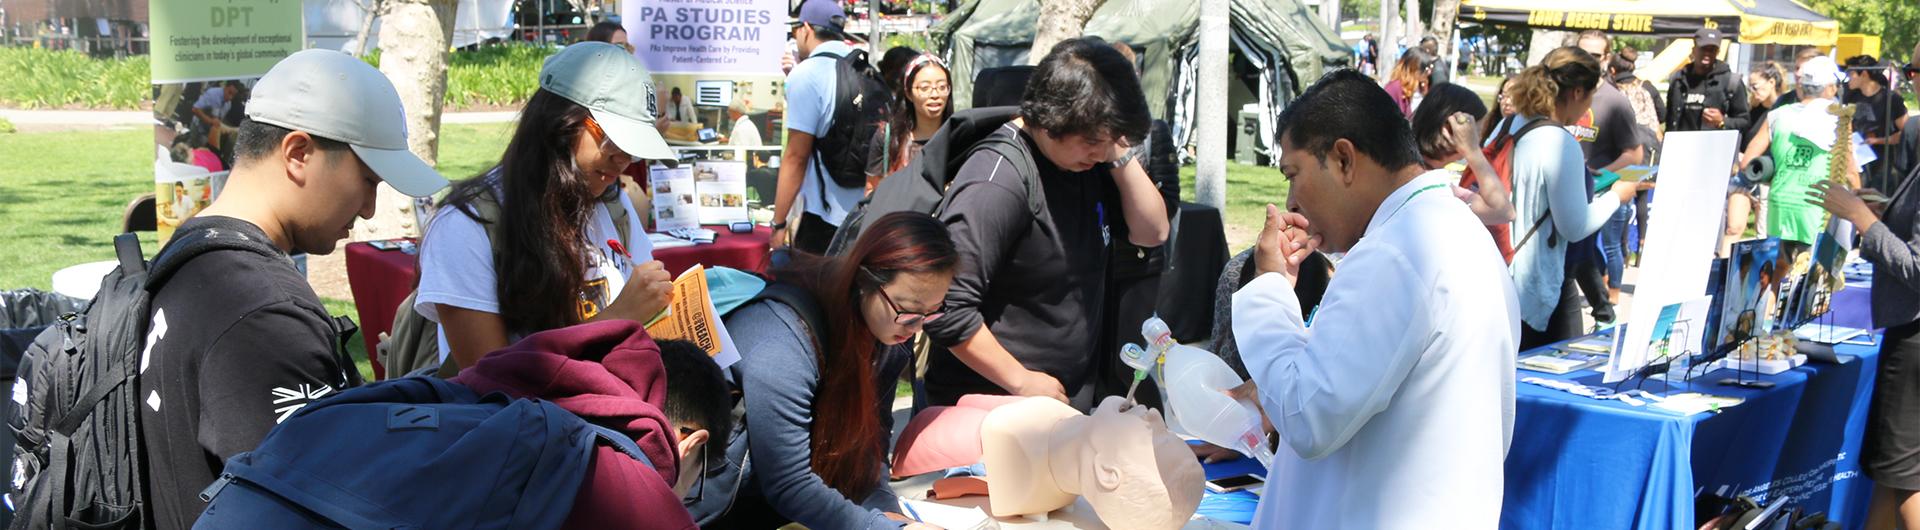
(1196, 383)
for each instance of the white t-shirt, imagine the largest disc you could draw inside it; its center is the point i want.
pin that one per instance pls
(456, 263)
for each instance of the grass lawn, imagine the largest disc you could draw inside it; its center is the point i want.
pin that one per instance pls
(62, 195)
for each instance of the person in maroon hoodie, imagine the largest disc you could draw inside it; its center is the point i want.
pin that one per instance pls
(612, 374)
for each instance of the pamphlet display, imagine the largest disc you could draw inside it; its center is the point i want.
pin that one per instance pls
(1686, 227)
(721, 188)
(1749, 291)
(673, 206)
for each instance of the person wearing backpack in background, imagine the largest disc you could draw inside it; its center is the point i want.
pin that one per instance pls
(238, 340)
(818, 400)
(920, 106)
(835, 102)
(1024, 307)
(1551, 194)
(549, 228)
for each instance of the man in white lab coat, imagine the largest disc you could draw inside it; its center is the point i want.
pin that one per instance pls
(1396, 406)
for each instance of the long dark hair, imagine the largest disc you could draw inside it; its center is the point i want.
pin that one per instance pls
(544, 210)
(906, 115)
(847, 442)
(1430, 120)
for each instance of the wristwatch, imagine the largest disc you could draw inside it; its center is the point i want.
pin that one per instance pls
(780, 225)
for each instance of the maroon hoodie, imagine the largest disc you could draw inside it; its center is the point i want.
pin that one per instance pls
(610, 374)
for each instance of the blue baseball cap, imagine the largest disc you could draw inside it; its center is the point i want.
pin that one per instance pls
(822, 13)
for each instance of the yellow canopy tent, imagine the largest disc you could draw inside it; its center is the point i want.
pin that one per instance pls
(1749, 21)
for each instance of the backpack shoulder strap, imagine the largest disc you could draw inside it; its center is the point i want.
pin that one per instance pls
(188, 245)
(620, 442)
(1546, 216)
(800, 301)
(126, 247)
(1014, 149)
(487, 212)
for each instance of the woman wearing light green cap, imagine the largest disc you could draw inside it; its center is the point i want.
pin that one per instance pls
(547, 238)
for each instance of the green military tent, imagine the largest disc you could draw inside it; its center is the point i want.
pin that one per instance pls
(1279, 47)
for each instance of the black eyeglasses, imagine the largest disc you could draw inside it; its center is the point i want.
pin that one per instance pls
(904, 318)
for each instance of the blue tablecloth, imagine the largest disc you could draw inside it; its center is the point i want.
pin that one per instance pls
(1577, 462)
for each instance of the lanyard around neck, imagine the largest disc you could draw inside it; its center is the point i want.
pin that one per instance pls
(1416, 193)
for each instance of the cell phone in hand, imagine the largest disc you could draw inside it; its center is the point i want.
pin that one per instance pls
(1235, 483)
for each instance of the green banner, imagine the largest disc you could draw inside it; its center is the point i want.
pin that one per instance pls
(197, 40)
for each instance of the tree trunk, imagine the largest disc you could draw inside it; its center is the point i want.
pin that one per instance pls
(1444, 13)
(1415, 30)
(415, 36)
(1389, 40)
(1210, 120)
(370, 10)
(1059, 20)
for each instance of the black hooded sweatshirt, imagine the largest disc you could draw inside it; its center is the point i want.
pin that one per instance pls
(1690, 94)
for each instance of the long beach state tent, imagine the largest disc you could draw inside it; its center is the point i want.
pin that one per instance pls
(1280, 47)
(1748, 21)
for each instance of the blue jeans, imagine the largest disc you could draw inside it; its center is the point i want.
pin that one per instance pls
(1613, 248)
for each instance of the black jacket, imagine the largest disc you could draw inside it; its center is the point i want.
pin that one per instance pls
(1689, 95)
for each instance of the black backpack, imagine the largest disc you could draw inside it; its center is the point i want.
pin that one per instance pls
(77, 453)
(922, 185)
(859, 108)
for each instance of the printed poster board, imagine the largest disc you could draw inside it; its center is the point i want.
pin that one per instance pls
(207, 55)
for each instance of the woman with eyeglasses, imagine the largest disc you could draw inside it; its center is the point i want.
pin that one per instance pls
(1503, 109)
(920, 106)
(547, 238)
(818, 400)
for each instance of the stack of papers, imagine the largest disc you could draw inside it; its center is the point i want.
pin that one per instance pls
(696, 235)
(948, 517)
(1831, 334)
(661, 241)
(1558, 361)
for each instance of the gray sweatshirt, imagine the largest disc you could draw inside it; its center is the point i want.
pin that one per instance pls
(779, 380)
(1893, 245)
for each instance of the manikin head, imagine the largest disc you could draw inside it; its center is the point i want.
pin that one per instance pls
(1040, 454)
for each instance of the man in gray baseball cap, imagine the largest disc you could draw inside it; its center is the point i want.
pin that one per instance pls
(238, 340)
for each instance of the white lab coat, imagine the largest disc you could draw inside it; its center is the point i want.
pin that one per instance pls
(1396, 407)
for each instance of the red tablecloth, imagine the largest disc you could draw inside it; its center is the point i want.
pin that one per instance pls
(381, 279)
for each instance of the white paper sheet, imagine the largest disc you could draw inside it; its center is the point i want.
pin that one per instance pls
(1685, 225)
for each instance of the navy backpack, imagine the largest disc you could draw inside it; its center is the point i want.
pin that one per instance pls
(416, 452)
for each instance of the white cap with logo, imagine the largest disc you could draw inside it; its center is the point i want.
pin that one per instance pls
(1819, 71)
(335, 96)
(616, 89)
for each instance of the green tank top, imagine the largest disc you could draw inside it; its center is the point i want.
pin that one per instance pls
(1797, 165)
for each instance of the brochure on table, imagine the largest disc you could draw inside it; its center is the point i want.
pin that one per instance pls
(721, 190)
(1749, 292)
(1676, 260)
(673, 202)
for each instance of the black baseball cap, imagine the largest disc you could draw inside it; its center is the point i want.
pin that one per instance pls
(1707, 37)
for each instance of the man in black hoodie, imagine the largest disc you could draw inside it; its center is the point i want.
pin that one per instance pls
(1705, 95)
